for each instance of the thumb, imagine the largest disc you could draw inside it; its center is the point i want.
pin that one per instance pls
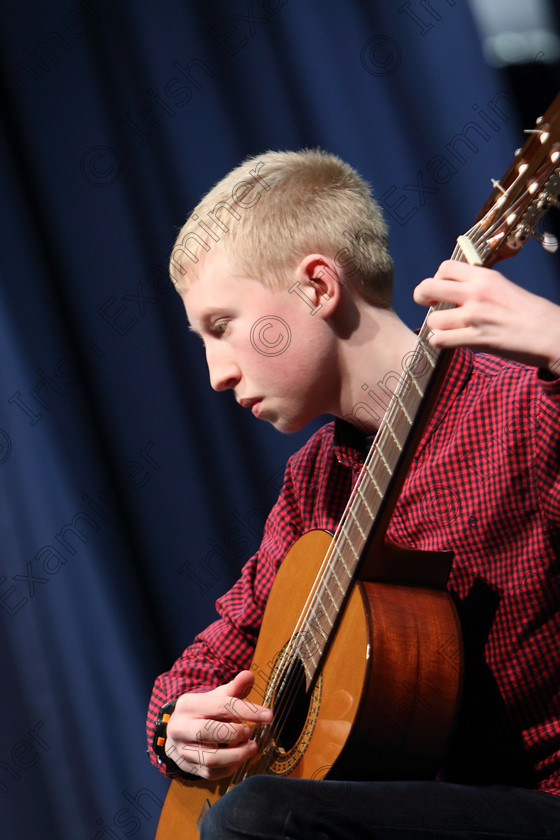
(240, 685)
(238, 706)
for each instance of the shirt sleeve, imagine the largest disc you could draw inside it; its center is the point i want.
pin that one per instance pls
(226, 647)
(547, 447)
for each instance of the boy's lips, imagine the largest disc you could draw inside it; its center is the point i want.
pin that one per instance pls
(250, 403)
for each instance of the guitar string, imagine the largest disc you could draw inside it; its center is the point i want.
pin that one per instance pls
(356, 500)
(315, 595)
(303, 617)
(480, 238)
(483, 240)
(319, 586)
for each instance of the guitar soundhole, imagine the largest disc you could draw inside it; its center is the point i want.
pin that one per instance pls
(291, 706)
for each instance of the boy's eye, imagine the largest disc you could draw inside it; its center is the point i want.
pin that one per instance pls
(219, 327)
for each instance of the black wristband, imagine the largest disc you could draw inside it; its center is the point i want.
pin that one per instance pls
(160, 736)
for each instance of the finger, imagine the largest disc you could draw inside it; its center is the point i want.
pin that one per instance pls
(213, 763)
(460, 337)
(237, 704)
(241, 684)
(224, 733)
(434, 290)
(194, 752)
(449, 319)
(217, 706)
(207, 731)
(452, 327)
(456, 274)
(200, 708)
(461, 272)
(243, 710)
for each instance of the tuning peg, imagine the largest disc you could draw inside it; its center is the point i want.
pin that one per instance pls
(498, 186)
(543, 132)
(548, 241)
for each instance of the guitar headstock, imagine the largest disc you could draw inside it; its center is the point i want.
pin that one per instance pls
(522, 196)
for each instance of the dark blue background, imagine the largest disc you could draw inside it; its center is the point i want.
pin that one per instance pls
(131, 493)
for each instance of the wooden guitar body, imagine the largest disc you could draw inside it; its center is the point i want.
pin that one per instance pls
(383, 705)
(359, 654)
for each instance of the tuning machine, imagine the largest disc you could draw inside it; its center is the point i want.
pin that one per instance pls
(548, 241)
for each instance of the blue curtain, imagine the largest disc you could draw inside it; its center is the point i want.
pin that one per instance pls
(131, 493)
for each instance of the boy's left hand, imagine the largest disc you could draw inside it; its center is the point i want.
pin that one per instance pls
(492, 314)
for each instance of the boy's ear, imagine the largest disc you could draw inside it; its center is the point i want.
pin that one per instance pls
(318, 278)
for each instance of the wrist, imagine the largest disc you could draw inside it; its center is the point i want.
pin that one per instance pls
(160, 737)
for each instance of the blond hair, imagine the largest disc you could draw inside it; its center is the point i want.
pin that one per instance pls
(274, 209)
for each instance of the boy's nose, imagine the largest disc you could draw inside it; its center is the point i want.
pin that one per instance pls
(223, 376)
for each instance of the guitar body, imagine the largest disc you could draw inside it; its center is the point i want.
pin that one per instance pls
(385, 700)
(360, 658)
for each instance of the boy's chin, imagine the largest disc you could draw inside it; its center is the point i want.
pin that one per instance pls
(288, 425)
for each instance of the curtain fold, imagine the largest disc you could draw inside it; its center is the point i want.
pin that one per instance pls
(131, 493)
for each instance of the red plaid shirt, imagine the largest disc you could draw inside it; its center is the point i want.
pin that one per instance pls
(485, 482)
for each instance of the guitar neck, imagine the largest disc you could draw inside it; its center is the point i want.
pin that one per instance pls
(529, 187)
(374, 496)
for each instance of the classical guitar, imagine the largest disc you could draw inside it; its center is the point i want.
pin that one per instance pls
(360, 652)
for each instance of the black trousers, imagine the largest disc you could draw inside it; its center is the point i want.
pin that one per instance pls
(271, 808)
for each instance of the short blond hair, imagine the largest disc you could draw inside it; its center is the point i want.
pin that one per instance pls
(275, 208)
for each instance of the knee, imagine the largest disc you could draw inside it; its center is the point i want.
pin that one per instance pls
(250, 809)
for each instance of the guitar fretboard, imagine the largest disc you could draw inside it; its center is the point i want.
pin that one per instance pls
(528, 188)
(357, 525)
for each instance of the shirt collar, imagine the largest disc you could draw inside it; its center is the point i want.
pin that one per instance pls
(350, 444)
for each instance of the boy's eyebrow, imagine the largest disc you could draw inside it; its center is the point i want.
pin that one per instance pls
(204, 324)
(206, 319)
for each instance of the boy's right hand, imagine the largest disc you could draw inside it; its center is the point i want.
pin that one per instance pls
(208, 733)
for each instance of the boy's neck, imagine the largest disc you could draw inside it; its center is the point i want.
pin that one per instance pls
(372, 359)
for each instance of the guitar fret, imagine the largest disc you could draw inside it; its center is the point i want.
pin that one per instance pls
(402, 406)
(343, 562)
(383, 458)
(357, 522)
(329, 593)
(427, 350)
(364, 500)
(338, 583)
(415, 382)
(393, 435)
(311, 663)
(318, 624)
(374, 481)
(348, 540)
(303, 642)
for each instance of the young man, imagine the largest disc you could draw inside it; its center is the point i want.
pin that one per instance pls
(293, 243)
